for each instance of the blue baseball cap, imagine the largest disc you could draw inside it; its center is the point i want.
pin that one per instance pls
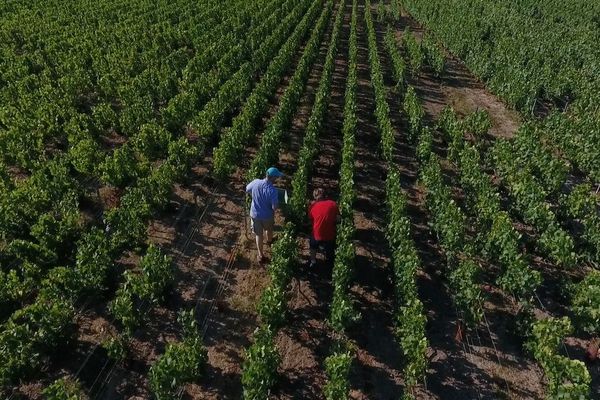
(274, 172)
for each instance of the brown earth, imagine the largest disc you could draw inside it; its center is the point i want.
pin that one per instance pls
(305, 342)
(489, 363)
(465, 93)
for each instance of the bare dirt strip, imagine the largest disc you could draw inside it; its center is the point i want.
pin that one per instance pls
(377, 371)
(304, 342)
(230, 325)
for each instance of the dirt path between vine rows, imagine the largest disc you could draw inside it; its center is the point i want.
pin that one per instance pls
(376, 373)
(489, 363)
(304, 342)
(228, 335)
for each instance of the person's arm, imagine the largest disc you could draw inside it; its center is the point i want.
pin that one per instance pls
(249, 187)
(338, 214)
(275, 200)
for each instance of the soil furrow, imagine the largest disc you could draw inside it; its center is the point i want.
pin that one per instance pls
(304, 343)
(376, 374)
(231, 326)
(472, 369)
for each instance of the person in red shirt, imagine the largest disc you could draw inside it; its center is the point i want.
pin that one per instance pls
(324, 215)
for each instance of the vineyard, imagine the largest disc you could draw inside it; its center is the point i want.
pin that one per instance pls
(460, 140)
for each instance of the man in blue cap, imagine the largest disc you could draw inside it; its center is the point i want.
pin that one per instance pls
(265, 201)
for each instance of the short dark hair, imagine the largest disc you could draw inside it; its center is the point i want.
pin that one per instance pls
(319, 193)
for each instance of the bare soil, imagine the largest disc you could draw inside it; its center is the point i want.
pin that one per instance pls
(489, 362)
(230, 329)
(501, 353)
(305, 342)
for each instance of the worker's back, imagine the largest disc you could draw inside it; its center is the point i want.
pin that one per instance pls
(323, 214)
(264, 198)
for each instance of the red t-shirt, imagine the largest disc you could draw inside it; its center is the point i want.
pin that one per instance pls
(323, 215)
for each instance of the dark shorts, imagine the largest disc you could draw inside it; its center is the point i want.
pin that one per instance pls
(259, 225)
(327, 245)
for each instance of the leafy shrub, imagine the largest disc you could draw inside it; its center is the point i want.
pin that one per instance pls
(259, 371)
(567, 379)
(416, 56)
(152, 141)
(585, 303)
(119, 168)
(182, 361)
(85, 156)
(434, 55)
(64, 389)
(31, 332)
(116, 348)
(157, 272)
(337, 369)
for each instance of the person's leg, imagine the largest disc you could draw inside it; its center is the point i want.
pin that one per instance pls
(268, 225)
(257, 229)
(329, 248)
(259, 246)
(269, 236)
(313, 256)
